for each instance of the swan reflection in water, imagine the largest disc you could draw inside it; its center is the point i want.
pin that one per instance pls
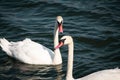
(18, 70)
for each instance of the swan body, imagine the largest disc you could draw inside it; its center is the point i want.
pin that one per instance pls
(109, 74)
(30, 52)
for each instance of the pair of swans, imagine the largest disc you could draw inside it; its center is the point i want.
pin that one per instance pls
(110, 74)
(30, 52)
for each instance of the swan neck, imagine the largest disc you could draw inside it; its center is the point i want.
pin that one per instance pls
(57, 58)
(56, 39)
(70, 62)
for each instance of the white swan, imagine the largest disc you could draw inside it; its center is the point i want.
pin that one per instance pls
(110, 74)
(30, 52)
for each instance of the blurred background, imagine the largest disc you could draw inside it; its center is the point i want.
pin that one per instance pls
(94, 25)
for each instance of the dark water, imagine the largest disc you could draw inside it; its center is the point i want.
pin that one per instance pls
(94, 25)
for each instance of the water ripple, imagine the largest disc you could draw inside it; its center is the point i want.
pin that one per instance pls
(94, 25)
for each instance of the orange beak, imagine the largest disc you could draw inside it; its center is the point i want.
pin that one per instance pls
(59, 45)
(60, 27)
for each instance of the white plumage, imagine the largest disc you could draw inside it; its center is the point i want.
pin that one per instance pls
(28, 51)
(109, 74)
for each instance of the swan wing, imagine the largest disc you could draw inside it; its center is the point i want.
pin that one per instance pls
(31, 52)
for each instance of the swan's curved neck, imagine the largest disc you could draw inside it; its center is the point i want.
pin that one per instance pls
(56, 33)
(70, 61)
(57, 58)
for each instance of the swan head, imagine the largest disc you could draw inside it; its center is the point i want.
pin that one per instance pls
(65, 40)
(60, 23)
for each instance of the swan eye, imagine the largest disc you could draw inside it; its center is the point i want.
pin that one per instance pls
(59, 23)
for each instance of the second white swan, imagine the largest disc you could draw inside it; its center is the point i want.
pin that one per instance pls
(110, 74)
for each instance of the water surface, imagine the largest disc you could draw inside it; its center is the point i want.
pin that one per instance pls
(94, 25)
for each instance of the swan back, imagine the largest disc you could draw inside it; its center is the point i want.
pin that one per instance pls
(110, 74)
